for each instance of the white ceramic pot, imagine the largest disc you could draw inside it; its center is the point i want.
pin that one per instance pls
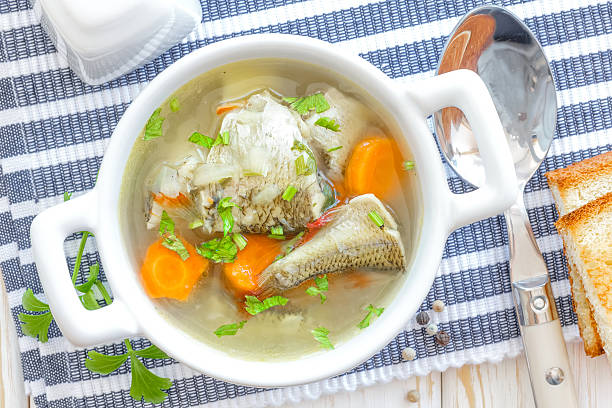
(132, 313)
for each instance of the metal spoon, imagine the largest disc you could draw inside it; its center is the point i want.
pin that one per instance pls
(494, 43)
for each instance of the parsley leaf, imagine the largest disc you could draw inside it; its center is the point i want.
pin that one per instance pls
(170, 240)
(88, 300)
(153, 128)
(67, 196)
(152, 352)
(32, 304)
(36, 325)
(254, 305)
(202, 140)
(303, 105)
(219, 249)
(174, 105)
(239, 240)
(102, 363)
(372, 311)
(229, 329)
(321, 335)
(146, 385)
(224, 208)
(309, 166)
(376, 219)
(289, 193)
(333, 149)
(321, 285)
(328, 123)
(289, 246)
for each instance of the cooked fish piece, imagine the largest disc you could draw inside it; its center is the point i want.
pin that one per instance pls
(350, 241)
(256, 167)
(352, 118)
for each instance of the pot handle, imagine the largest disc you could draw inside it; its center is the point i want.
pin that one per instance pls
(81, 326)
(465, 90)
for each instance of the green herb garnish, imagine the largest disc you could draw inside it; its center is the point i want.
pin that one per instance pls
(202, 140)
(321, 285)
(170, 240)
(275, 236)
(289, 193)
(305, 167)
(276, 230)
(145, 385)
(229, 329)
(224, 208)
(321, 335)
(174, 105)
(328, 123)
(376, 218)
(219, 249)
(333, 149)
(239, 240)
(254, 305)
(372, 311)
(196, 224)
(153, 128)
(67, 196)
(408, 165)
(223, 138)
(304, 104)
(289, 246)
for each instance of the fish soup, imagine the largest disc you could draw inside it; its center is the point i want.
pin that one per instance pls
(272, 207)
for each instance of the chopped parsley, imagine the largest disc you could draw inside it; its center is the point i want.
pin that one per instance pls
(321, 335)
(153, 128)
(219, 249)
(408, 165)
(202, 140)
(254, 305)
(289, 193)
(145, 385)
(289, 246)
(276, 230)
(224, 208)
(174, 105)
(229, 329)
(376, 218)
(239, 240)
(170, 240)
(328, 123)
(305, 167)
(372, 311)
(305, 104)
(333, 149)
(321, 285)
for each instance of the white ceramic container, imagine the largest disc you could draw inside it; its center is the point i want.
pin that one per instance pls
(106, 39)
(132, 313)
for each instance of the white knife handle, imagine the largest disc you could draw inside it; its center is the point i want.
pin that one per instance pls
(551, 376)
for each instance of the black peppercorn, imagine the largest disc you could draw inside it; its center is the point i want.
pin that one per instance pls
(422, 318)
(442, 338)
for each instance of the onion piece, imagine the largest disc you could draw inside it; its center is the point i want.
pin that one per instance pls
(213, 173)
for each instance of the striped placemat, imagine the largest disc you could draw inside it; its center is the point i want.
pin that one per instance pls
(54, 128)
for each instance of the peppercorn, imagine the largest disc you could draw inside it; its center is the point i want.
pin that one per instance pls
(409, 354)
(437, 306)
(422, 318)
(413, 396)
(431, 329)
(442, 338)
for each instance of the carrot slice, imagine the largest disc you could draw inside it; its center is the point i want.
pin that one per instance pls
(181, 200)
(226, 107)
(250, 262)
(165, 274)
(372, 168)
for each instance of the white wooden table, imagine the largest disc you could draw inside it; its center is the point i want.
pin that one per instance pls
(486, 385)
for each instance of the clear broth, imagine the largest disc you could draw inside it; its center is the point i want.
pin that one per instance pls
(281, 333)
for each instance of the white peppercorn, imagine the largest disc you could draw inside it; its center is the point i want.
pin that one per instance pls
(442, 338)
(431, 329)
(437, 306)
(422, 318)
(413, 396)
(409, 354)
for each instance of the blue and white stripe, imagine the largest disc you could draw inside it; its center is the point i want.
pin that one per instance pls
(54, 129)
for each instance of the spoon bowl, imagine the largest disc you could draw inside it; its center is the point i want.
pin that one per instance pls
(503, 51)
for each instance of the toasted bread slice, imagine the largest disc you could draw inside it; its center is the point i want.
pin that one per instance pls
(572, 187)
(587, 235)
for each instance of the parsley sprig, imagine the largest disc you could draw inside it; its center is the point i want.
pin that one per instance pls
(207, 141)
(153, 128)
(321, 334)
(36, 324)
(170, 240)
(328, 123)
(372, 311)
(321, 286)
(254, 305)
(145, 385)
